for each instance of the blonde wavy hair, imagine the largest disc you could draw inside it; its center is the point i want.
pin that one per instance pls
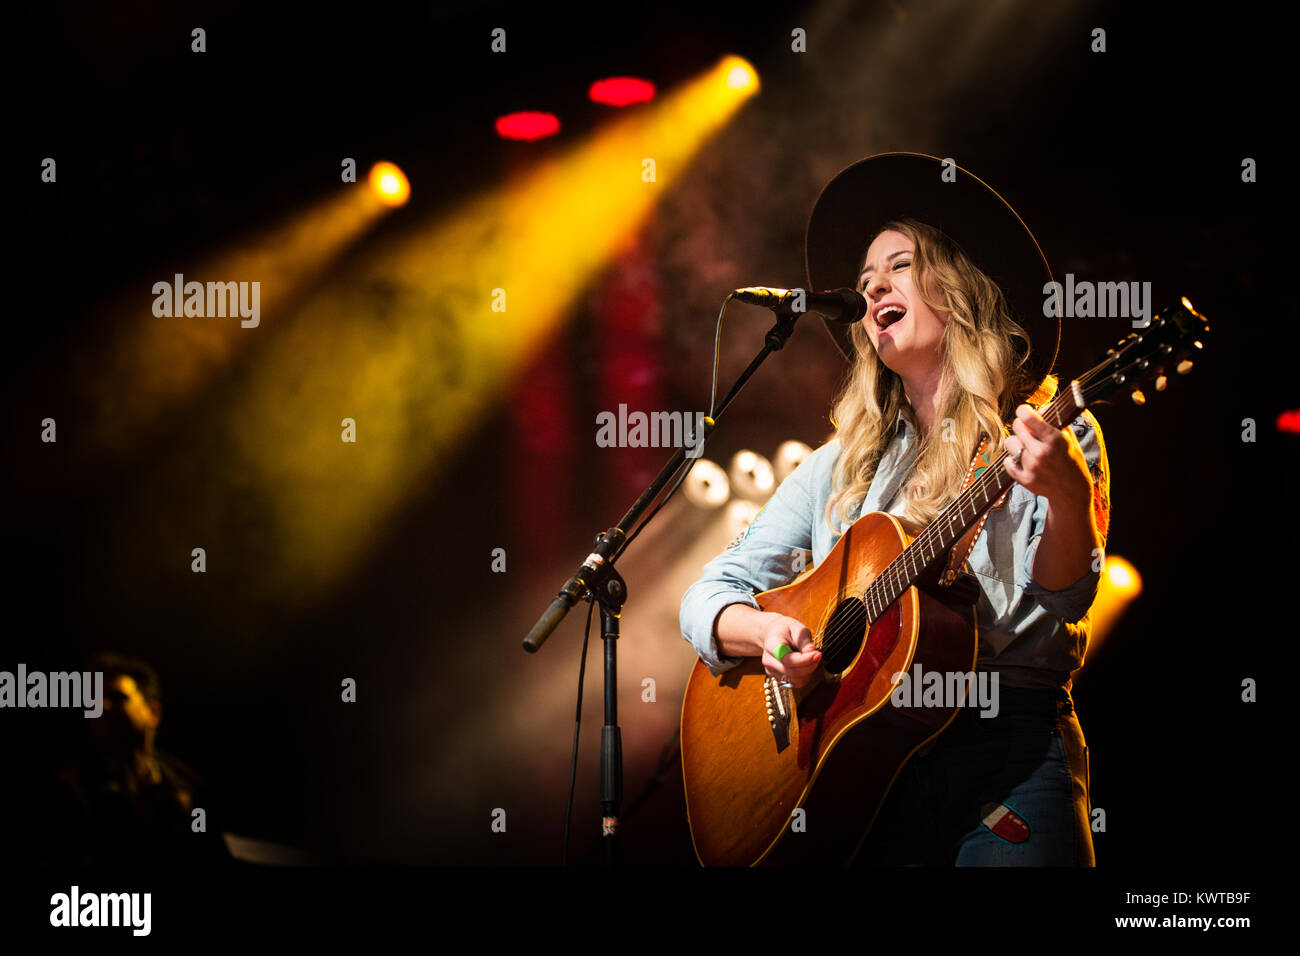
(982, 375)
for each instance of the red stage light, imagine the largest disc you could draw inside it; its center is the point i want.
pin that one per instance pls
(1289, 422)
(621, 91)
(528, 125)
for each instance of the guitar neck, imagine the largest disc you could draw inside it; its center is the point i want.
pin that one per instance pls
(1159, 349)
(956, 519)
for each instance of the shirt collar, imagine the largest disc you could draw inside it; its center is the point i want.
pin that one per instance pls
(901, 421)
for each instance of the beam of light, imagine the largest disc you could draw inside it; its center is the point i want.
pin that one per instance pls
(134, 369)
(414, 341)
(1119, 587)
(389, 184)
(740, 75)
(1120, 575)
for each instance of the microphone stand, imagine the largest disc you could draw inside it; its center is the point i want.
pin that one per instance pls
(597, 579)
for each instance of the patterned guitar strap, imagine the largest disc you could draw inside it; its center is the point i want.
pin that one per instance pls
(982, 461)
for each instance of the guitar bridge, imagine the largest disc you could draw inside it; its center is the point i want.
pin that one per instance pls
(780, 707)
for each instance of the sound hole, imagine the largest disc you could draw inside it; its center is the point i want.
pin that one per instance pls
(843, 635)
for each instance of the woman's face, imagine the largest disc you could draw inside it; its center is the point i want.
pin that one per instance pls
(907, 337)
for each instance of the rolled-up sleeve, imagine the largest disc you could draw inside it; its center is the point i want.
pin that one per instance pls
(1073, 602)
(767, 554)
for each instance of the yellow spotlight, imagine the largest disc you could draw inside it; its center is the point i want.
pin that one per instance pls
(371, 384)
(740, 75)
(1120, 584)
(1121, 574)
(389, 184)
(141, 367)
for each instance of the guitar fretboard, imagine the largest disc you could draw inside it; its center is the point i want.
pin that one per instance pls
(958, 517)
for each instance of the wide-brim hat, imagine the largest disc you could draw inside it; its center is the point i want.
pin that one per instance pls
(871, 192)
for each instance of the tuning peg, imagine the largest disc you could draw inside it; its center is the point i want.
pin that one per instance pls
(1138, 397)
(1184, 367)
(1161, 382)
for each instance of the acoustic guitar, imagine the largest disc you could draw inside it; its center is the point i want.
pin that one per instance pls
(754, 751)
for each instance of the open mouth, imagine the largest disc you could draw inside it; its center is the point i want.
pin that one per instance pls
(889, 315)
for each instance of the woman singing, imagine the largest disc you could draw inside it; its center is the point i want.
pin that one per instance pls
(954, 345)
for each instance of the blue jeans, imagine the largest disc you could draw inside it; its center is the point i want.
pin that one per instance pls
(949, 804)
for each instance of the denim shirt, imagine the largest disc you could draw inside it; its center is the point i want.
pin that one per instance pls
(1030, 636)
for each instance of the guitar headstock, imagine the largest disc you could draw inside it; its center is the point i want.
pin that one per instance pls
(1147, 355)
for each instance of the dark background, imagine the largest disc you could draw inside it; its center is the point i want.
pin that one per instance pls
(1125, 164)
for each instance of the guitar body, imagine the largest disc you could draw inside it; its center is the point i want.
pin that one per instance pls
(846, 740)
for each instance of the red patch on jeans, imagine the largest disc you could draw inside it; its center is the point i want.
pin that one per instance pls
(1005, 822)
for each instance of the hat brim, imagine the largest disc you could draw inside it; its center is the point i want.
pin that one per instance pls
(864, 196)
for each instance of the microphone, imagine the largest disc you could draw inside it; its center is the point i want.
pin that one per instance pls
(838, 305)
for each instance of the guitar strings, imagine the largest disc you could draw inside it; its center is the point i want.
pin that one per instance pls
(844, 630)
(873, 598)
(850, 625)
(874, 592)
(832, 637)
(858, 619)
(991, 477)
